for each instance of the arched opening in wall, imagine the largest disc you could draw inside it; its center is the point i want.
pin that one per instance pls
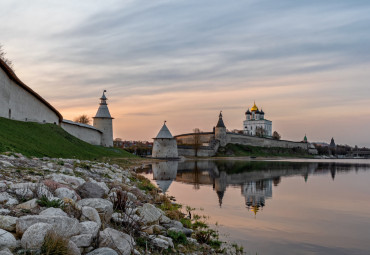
(10, 113)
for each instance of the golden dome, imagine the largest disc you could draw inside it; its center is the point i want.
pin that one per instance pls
(254, 108)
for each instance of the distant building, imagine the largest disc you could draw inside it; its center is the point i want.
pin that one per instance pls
(256, 119)
(332, 143)
(140, 148)
(304, 139)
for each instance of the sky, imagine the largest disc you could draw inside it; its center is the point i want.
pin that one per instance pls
(305, 63)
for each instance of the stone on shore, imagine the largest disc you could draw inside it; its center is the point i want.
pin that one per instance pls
(64, 226)
(103, 251)
(90, 190)
(104, 207)
(7, 240)
(34, 236)
(53, 212)
(150, 214)
(66, 193)
(119, 241)
(8, 223)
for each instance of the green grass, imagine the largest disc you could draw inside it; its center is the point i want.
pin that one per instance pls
(238, 150)
(50, 140)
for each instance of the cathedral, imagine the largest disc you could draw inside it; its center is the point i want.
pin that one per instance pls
(255, 121)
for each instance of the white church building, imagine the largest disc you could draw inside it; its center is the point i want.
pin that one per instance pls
(255, 119)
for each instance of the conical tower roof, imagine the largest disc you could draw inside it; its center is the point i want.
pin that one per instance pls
(103, 111)
(164, 184)
(220, 122)
(164, 133)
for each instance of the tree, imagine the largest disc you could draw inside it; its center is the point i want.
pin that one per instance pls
(196, 140)
(276, 135)
(260, 132)
(5, 59)
(83, 119)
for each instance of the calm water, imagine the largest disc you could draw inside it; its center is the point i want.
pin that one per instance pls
(277, 207)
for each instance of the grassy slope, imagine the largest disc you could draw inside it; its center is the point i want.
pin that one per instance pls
(33, 139)
(237, 150)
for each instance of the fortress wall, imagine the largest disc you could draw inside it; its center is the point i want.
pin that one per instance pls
(89, 135)
(187, 152)
(189, 138)
(19, 104)
(264, 142)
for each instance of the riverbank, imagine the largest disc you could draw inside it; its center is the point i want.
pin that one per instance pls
(239, 150)
(87, 207)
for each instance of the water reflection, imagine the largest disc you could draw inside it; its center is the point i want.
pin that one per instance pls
(255, 178)
(164, 173)
(294, 207)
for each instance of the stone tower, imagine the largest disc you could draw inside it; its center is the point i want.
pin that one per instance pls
(165, 145)
(220, 131)
(103, 122)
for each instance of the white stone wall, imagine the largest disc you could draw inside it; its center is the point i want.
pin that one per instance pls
(264, 142)
(189, 152)
(86, 134)
(106, 126)
(164, 148)
(189, 138)
(21, 104)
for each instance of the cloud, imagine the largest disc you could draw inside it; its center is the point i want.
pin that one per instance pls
(312, 54)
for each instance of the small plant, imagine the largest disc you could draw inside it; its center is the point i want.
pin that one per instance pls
(178, 237)
(45, 202)
(145, 184)
(82, 165)
(186, 222)
(55, 245)
(60, 162)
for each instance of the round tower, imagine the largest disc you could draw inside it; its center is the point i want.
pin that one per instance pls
(220, 131)
(103, 122)
(165, 145)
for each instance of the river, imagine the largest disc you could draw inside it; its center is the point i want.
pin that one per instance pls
(277, 207)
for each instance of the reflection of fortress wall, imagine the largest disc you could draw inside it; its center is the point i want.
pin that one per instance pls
(164, 173)
(205, 165)
(214, 171)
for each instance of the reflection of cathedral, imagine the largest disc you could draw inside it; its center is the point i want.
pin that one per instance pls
(255, 193)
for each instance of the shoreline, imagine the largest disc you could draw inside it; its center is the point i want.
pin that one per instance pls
(57, 194)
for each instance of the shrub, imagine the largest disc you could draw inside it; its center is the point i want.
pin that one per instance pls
(186, 222)
(45, 202)
(178, 237)
(55, 245)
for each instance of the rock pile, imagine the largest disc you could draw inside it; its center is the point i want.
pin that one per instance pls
(86, 207)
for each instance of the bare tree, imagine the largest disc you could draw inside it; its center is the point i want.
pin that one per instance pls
(196, 140)
(276, 135)
(4, 58)
(83, 119)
